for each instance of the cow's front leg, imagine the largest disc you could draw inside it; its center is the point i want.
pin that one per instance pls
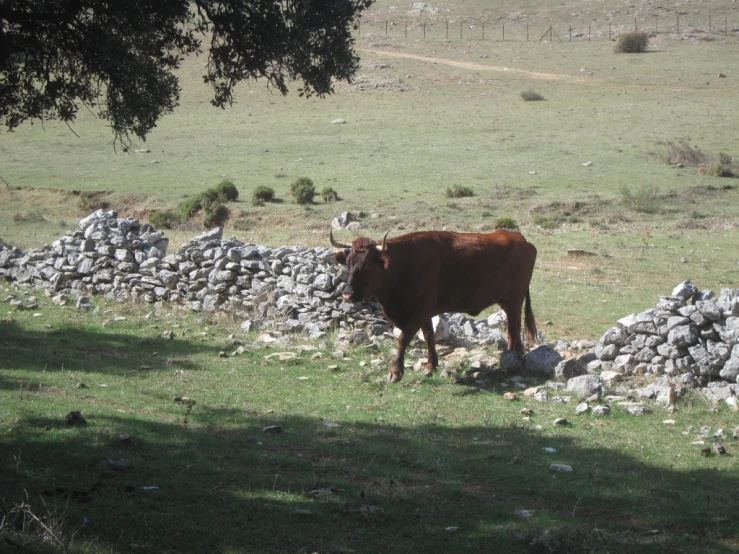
(433, 359)
(398, 366)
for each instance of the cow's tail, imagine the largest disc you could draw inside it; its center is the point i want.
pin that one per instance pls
(530, 322)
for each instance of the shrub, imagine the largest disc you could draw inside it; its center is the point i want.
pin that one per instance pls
(505, 223)
(164, 219)
(261, 195)
(532, 96)
(644, 199)
(226, 191)
(683, 154)
(189, 207)
(717, 170)
(300, 182)
(633, 42)
(724, 166)
(215, 214)
(91, 201)
(304, 194)
(458, 191)
(329, 195)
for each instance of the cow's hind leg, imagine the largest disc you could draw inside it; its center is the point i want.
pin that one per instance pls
(406, 336)
(512, 311)
(433, 359)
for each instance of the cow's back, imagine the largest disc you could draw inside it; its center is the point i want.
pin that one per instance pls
(465, 272)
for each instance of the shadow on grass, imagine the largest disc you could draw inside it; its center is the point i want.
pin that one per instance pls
(223, 485)
(82, 349)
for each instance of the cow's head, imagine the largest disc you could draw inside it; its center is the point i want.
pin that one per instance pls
(366, 261)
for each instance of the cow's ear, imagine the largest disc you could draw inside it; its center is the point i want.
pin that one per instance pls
(340, 256)
(385, 260)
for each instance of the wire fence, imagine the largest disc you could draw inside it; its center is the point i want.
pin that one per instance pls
(692, 27)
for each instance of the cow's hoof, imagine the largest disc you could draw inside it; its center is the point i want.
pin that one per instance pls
(395, 377)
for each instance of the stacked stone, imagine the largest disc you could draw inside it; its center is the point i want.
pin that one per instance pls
(296, 289)
(104, 254)
(690, 334)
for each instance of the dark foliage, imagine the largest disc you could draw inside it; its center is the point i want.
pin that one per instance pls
(261, 195)
(299, 183)
(329, 194)
(118, 58)
(227, 191)
(304, 194)
(164, 219)
(634, 42)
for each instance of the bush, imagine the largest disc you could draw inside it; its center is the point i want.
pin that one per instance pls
(644, 199)
(164, 219)
(300, 182)
(189, 207)
(92, 201)
(458, 191)
(532, 96)
(304, 194)
(215, 214)
(685, 155)
(261, 195)
(329, 195)
(226, 191)
(633, 42)
(723, 167)
(505, 223)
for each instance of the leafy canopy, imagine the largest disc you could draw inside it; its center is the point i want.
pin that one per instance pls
(118, 58)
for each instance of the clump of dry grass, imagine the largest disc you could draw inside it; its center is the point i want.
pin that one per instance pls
(683, 154)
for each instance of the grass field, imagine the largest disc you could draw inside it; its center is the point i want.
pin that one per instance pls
(359, 465)
(423, 116)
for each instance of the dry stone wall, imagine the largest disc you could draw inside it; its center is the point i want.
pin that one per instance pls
(292, 289)
(690, 335)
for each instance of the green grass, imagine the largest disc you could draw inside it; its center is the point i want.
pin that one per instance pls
(430, 454)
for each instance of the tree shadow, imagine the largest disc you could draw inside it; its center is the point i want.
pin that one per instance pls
(214, 481)
(82, 349)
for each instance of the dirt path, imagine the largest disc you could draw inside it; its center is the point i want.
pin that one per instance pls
(538, 75)
(480, 67)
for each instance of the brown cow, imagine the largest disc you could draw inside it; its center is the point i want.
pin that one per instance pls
(420, 275)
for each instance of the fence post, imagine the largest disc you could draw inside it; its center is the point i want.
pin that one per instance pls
(424, 30)
(483, 30)
(655, 24)
(570, 33)
(406, 29)
(460, 29)
(588, 32)
(678, 24)
(724, 26)
(447, 30)
(609, 32)
(527, 32)
(635, 28)
(504, 31)
(709, 25)
(386, 27)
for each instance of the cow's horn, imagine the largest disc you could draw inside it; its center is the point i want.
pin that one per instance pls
(333, 242)
(384, 242)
